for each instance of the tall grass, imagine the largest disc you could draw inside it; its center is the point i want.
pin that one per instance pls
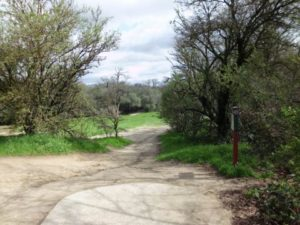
(44, 144)
(177, 147)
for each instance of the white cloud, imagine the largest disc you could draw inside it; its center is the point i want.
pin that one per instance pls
(146, 38)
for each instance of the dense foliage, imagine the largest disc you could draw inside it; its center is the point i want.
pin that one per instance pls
(287, 157)
(278, 203)
(234, 53)
(269, 97)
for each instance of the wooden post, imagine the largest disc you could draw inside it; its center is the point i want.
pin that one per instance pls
(235, 134)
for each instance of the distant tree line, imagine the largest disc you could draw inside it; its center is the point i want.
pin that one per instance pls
(139, 97)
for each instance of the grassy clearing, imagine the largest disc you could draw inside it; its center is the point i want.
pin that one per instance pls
(89, 126)
(176, 147)
(43, 144)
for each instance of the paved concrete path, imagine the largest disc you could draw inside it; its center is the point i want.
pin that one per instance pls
(139, 203)
(125, 186)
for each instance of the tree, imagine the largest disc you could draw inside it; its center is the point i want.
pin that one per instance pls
(47, 46)
(214, 43)
(268, 93)
(112, 99)
(174, 107)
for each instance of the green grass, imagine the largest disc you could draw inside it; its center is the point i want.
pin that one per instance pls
(43, 144)
(177, 147)
(89, 126)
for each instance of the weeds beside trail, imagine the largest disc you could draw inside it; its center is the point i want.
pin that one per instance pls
(177, 147)
(44, 144)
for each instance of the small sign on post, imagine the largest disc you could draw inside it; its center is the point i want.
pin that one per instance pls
(235, 119)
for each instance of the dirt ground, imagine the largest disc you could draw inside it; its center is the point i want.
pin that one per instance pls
(30, 187)
(8, 131)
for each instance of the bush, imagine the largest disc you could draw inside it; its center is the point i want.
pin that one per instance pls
(265, 132)
(184, 115)
(279, 203)
(288, 158)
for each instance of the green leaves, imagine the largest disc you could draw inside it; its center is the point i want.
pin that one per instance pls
(48, 46)
(279, 203)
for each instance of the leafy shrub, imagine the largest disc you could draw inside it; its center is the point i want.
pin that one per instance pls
(279, 203)
(288, 158)
(292, 117)
(265, 132)
(269, 99)
(184, 115)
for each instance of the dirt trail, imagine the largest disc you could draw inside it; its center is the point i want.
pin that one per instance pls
(30, 187)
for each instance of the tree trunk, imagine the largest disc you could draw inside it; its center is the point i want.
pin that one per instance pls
(116, 128)
(29, 126)
(222, 120)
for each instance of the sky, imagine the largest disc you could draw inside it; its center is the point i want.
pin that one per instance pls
(147, 38)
